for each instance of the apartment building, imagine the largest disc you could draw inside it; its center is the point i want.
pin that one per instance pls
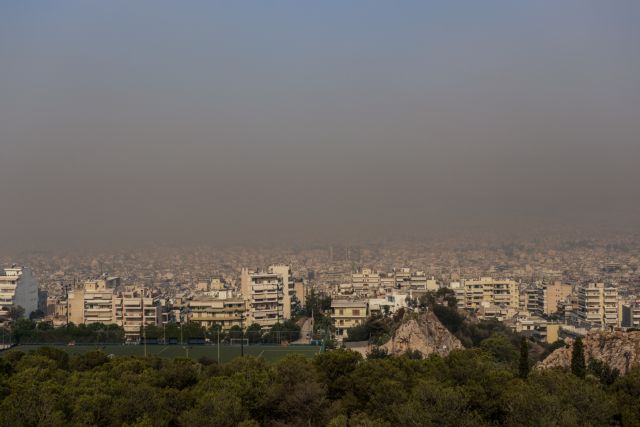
(554, 294)
(97, 301)
(631, 314)
(391, 303)
(223, 309)
(93, 302)
(134, 308)
(365, 282)
(474, 293)
(407, 280)
(533, 299)
(598, 305)
(18, 287)
(266, 296)
(289, 286)
(346, 314)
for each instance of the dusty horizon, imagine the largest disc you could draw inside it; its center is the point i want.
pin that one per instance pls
(221, 124)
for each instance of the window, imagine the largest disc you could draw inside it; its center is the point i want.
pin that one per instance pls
(356, 312)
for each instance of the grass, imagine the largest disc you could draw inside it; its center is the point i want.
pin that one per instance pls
(271, 353)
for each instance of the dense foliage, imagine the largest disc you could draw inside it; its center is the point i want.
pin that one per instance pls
(338, 388)
(26, 331)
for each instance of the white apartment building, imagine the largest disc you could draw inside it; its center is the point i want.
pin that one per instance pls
(598, 305)
(391, 302)
(18, 287)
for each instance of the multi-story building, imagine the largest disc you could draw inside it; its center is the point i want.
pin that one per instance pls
(553, 294)
(134, 308)
(93, 302)
(265, 294)
(346, 314)
(18, 288)
(365, 282)
(598, 305)
(533, 299)
(224, 309)
(96, 301)
(472, 294)
(408, 280)
(289, 286)
(631, 314)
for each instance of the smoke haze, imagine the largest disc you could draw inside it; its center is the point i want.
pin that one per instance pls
(240, 121)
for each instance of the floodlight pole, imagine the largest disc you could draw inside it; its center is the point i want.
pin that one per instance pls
(242, 338)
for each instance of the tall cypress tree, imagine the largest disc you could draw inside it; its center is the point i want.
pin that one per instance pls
(578, 364)
(523, 366)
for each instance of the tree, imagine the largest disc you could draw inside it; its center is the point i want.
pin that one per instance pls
(501, 349)
(333, 369)
(377, 353)
(603, 371)
(16, 312)
(523, 366)
(578, 365)
(254, 333)
(37, 314)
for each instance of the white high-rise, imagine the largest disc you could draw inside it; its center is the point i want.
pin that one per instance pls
(18, 287)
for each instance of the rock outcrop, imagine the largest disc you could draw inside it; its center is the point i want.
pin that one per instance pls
(620, 350)
(423, 333)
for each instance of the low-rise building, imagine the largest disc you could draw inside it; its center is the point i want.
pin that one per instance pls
(346, 314)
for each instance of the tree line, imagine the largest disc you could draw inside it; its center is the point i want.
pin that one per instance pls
(26, 331)
(470, 387)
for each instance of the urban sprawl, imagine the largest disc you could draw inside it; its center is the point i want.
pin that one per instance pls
(546, 290)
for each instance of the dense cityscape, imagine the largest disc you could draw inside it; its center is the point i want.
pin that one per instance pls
(528, 284)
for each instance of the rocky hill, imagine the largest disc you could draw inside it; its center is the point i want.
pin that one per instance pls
(620, 350)
(423, 333)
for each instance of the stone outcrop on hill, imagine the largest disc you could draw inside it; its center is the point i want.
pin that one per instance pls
(620, 350)
(423, 333)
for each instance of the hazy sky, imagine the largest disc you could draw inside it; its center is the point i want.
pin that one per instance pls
(226, 121)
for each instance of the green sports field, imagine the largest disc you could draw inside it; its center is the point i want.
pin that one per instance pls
(270, 353)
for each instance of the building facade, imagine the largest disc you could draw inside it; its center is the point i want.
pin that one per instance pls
(598, 305)
(346, 314)
(476, 293)
(18, 288)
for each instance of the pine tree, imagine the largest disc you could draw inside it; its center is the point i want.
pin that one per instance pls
(523, 367)
(578, 365)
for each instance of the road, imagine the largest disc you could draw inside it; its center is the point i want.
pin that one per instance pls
(305, 332)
